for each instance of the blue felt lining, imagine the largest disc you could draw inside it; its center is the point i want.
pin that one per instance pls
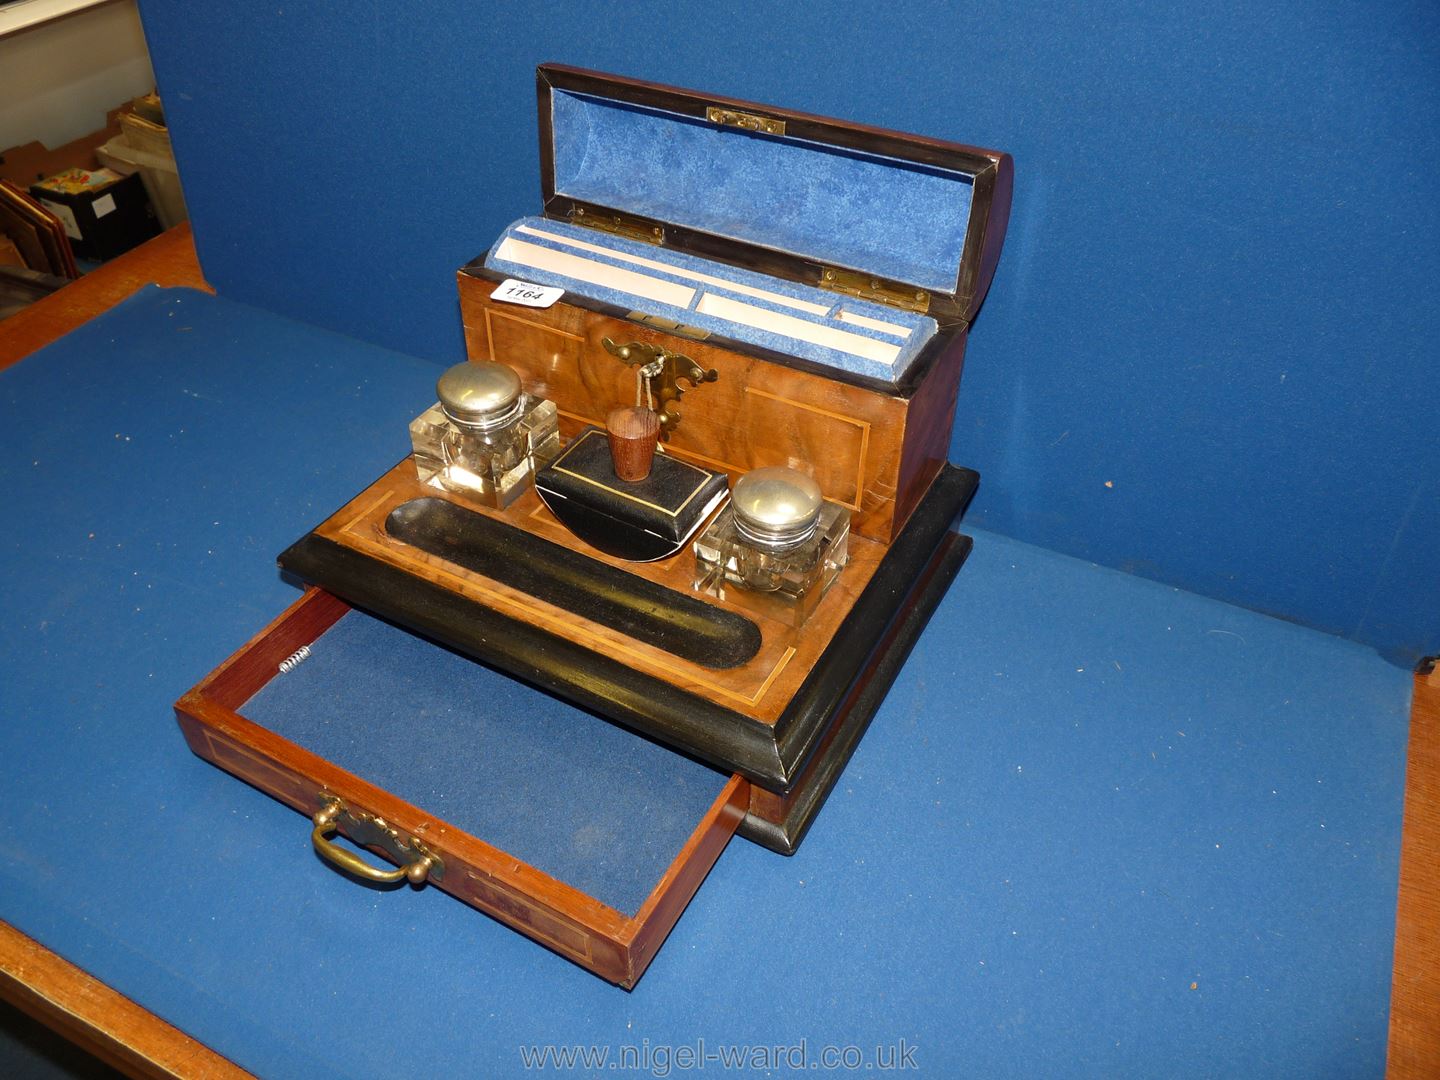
(888, 217)
(921, 327)
(566, 792)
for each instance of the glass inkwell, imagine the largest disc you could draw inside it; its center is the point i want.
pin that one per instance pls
(485, 438)
(778, 540)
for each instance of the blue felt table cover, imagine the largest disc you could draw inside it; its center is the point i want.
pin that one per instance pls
(897, 219)
(1099, 827)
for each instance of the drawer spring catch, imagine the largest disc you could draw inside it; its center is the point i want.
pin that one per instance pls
(291, 662)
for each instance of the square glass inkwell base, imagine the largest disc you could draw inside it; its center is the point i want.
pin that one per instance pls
(484, 439)
(778, 545)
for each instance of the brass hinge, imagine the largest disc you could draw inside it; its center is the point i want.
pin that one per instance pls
(745, 121)
(854, 283)
(618, 224)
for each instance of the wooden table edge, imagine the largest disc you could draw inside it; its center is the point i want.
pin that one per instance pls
(99, 1019)
(169, 259)
(1414, 1046)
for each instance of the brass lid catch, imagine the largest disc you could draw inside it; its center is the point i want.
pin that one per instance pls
(744, 121)
(658, 377)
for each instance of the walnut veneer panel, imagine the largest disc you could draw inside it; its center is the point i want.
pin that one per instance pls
(868, 450)
(760, 688)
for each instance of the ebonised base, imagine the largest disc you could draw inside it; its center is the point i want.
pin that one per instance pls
(794, 761)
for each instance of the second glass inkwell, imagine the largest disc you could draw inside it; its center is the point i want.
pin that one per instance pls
(777, 537)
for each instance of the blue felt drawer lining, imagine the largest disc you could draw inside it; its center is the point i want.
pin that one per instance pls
(587, 802)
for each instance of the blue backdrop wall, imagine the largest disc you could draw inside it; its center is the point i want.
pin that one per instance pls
(1206, 357)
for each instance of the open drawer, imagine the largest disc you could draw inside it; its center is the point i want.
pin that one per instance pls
(594, 840)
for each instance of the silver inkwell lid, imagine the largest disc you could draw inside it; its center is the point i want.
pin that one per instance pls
(481, 396)
(776, 508)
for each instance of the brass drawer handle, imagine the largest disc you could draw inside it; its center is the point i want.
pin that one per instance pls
(417, 863)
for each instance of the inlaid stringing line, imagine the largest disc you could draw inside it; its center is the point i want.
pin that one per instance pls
(863, 425)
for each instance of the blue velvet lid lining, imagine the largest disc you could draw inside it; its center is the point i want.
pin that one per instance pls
(678, 285)
(899, 220)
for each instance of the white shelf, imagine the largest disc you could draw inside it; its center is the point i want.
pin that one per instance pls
(23, 14)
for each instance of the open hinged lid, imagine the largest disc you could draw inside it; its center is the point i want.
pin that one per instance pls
(905, 220)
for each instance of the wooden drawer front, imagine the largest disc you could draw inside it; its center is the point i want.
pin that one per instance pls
(613, 944)
(757, 413)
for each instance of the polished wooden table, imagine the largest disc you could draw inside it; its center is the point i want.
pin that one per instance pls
(1415, 992)
(169, 260)
(121, 1033)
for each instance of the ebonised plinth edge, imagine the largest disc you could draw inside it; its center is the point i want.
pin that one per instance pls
(772, 756)
(783, 832)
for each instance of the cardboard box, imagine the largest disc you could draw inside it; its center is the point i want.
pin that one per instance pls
(104, 214)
